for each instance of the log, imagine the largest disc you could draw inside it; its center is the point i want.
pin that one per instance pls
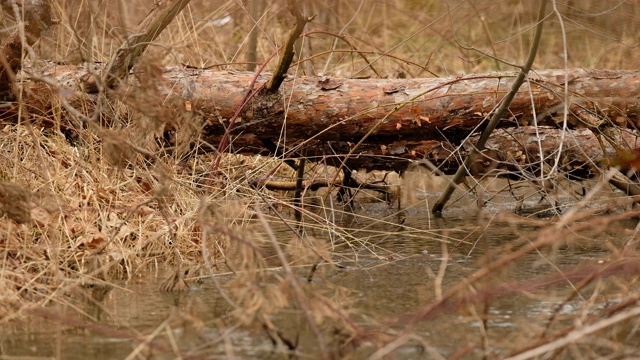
(414, 118)
(413, 110)
(510, 152)
(409, 109)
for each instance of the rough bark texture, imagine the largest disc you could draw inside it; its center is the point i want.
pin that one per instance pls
(437, 109)
(419, 118)
(509, 152)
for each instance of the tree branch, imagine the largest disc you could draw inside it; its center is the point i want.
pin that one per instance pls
(286, 56)
(146, 32)
(495, 118)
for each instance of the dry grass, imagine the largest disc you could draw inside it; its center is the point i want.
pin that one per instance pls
(91, 208)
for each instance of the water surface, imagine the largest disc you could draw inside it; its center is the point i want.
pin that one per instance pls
(392, 269)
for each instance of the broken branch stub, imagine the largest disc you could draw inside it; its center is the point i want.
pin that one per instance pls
(145, 33)
(286, 56)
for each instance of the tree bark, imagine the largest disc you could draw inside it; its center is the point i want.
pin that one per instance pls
(412, 110)
(509, 152)
(417, 118)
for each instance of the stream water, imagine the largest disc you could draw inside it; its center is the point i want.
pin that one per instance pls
(391, 271)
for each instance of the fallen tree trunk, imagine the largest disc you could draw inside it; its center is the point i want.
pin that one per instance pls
(413, 119)
(521, 153)
(411, 110)
(510, 152)
(408, 109)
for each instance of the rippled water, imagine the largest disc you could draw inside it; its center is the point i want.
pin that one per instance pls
(391, 269)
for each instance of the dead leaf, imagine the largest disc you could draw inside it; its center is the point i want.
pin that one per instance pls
(91, 241)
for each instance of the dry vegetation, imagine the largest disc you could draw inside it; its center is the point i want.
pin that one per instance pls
(88, 208)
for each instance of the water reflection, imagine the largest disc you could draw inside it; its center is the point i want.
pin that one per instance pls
(393, 267)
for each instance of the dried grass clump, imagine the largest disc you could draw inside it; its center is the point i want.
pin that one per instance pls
(83, 221)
